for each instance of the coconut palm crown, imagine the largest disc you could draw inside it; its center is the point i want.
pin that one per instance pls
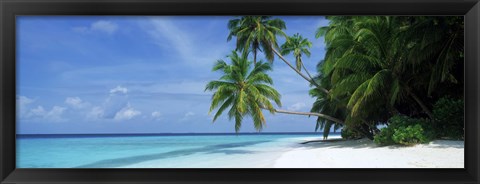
(297, 45)
(244, 90)
(256, 33)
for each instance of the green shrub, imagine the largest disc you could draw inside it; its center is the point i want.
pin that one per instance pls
(449, 117)
(406, 131)
(384, 137)
(410, 135)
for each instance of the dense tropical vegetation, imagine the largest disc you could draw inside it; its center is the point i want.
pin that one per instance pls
(405, 73)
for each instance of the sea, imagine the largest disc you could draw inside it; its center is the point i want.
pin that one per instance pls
(221, 150)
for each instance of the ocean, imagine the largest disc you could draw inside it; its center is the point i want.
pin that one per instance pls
(246, 150)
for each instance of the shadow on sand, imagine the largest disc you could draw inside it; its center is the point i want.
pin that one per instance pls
(219, 148)
(366, 143)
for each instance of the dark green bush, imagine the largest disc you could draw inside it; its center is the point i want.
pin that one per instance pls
(384, 137)
(348, 133)
(449, 118)
(406, 131)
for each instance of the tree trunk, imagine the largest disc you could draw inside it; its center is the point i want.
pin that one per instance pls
(366, 131)
(422, 105)
(308, 73)
(254, 57)
(298, 72)
(310, 114)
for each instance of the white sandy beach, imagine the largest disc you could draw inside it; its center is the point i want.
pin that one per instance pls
(365, 154)
(290, 153)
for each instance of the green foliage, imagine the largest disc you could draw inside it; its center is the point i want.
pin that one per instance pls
(449, 118)
(381, 65)
(409, 135)
(256, 33)
(348, 133)
(384, 137)
(245, 90)
(298, 46)
(405, 131)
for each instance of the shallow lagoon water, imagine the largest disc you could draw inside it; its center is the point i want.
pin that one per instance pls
(154, 151)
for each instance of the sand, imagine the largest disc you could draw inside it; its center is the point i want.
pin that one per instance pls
(365, 154)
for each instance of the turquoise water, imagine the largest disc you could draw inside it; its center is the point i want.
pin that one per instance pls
(153, 151)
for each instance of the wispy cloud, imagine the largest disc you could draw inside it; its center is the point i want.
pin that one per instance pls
(26, 112)
(190, 43)
(100, 26)
(22, 105)
(156, 115)
(168, 35)
(187, 116)
(116, 106)
(53, 115)
(76, 102)
(126, 113)
(297, 106)
(119, 89)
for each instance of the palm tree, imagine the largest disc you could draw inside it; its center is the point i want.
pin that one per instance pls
(256, 33)
(390, 59)
(444, 49)
(298, 46)
(326, 105)
(246, 92)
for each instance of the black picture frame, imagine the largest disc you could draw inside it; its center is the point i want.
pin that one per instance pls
(9, 9)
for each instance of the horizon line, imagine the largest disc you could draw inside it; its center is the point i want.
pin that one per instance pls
(175, 133)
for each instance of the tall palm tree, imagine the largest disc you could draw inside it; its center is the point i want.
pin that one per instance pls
(438, 44)
(256, 33)
(246, 92)
(299, 46)
(259, 33)
(373, 68)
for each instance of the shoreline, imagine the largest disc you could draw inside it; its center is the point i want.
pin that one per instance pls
(363, 153)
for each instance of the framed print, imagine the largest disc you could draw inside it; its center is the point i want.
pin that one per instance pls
(239, 92)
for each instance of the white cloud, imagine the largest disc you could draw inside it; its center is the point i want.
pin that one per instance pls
(188, 114)
(190, 46)
(116, 106)
(101, 26)
(119, 89)
(95, 113)
(22, 105)
(156, 115)
(105, 26)
(23, 100)
(126, 113)
(54, 115)
(297, 106)
(164, 29)
(76, 102)
(39, 111)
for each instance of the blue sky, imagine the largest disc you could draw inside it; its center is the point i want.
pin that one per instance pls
(101, 74)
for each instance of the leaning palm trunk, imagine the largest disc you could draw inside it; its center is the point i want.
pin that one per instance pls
(308, 114)
(298, 72)
(254, 57)
(308, 73)
(422, 105)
